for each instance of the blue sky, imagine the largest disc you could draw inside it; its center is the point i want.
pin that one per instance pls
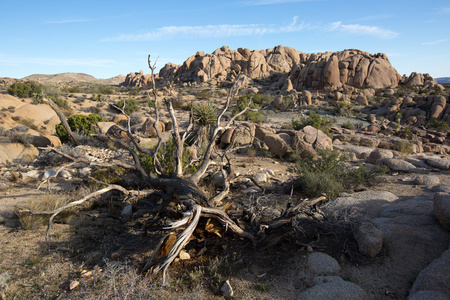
(108, 38)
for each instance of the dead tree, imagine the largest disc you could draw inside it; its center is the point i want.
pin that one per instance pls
(184, 189)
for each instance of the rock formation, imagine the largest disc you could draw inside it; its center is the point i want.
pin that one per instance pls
(302, 70)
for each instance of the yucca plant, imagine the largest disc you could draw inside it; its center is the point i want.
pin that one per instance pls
(205, 113)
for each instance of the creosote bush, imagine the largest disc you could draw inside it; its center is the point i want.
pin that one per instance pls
(328, 174)
(25, 89)
(438, 125)
(80, 123)
(343, 109)
(131, 105)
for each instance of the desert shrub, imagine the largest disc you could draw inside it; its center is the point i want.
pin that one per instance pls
(91, 109)
(408, 132)
(176, 103)
(205, 94)
(328, 174)
(348, 125)
(80, 123)
(131, 105)
(315, 120)
(205, 113)
(361, 175)
(135, 119)
(256, 101)
(25, 89)
(404, 147)
(323, 174)
(343, 109)
(438, 125)
(437, 90)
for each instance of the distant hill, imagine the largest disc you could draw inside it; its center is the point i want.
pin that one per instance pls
(73, 77)
(442, 80)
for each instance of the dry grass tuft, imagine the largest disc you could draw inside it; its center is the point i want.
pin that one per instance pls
(47, 202)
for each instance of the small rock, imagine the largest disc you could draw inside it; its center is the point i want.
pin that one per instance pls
(48, 173)
(321, 263)
(65, 174)
(252, 189)
(73, 284)
(427, 180)
(184, 255)
(226, 289)
(84, 172)
(333, 288)
(31, 174)
(127, 211)
(369, 238)
(261, 177)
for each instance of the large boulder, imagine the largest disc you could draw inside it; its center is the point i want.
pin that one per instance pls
(313, 136)
(441, 206)
(148, 129)
(435, 278)
(276, 144)
(369, 238)
(12, 151)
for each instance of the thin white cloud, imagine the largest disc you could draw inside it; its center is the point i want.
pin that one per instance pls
(231, 30)
(374, 17)
(270, 2)
(209, 31)
(81, 20)
(442, 10)
(46, 61)
(357, 29)
(432, 43)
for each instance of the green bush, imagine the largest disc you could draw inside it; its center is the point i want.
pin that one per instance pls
(315, 120)
(328, 174)
(166, 156)
(323, 174)
(438, 125)
(361, 175)
(257, 101)
(343, 109)
(131, 105)
(348, 125)
(25, 89)
(205, 113)
(80, 123)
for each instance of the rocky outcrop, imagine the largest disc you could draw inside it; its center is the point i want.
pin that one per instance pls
(138, 79)
(327, 70)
